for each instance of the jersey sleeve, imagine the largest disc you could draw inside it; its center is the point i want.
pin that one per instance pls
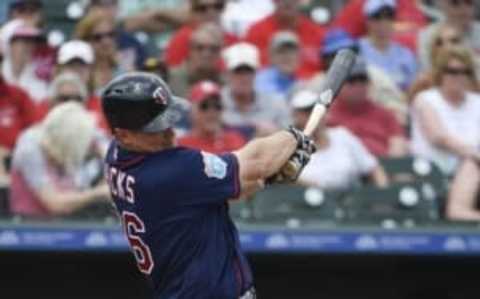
(215, 178)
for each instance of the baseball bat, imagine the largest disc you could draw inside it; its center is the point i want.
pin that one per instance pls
(337, 74)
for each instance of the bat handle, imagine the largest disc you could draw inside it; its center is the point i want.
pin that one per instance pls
(316, 116)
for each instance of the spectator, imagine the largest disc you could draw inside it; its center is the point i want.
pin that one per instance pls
(409, 20)
(17, 112)
(341, 159)
(203, 12)
(379, 48)
(459, 14)
(131, 51)
(19, 68)
(287, 16)
(158, 67)
(382, 89)
(157, 17)
(47, 176)
(445, 129)
(77, 57)
(203, 63)
(280, 76)
(208, 133)
(376, 127)
(446, 37)
(31, 11)
(99, 31)
(245, 109)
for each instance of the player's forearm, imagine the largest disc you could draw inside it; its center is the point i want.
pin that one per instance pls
(267, 155)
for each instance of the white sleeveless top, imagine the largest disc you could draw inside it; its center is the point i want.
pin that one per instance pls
(461, 121)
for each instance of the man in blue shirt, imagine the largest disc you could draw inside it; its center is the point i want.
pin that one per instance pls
(173, 201)
(379, 48)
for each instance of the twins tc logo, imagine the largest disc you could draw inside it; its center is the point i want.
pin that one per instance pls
(160, 95)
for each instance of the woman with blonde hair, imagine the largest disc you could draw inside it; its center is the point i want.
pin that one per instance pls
(444, 38)
(446, 128)
(47, 175)
(99, 31)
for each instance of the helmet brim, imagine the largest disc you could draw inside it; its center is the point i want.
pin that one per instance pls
(177, 108)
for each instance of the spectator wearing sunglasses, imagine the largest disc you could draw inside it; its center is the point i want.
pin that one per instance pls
(409, 20)
(99, 31)
(378, 47)
(445, 37)
(203, 12)
(208, 132)
(280, 76)
(203, 61)
(459, 15)
(247, 110)
(382, 89)
(19, 41)
(341, 160)
(375, 126)
(288, 17)
(130, 49)
(445, 129)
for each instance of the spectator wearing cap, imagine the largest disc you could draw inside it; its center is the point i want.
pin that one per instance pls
(208, 132)
(280, 76)
(19, 68)
(458, 14)
(409, 20)
(202, 12)
(287, 16)
(203, 62)
(341, 160)
(382, 88)
(251, 112)
(48, 177)
(375, 126)
(77, 57)
(378, 47)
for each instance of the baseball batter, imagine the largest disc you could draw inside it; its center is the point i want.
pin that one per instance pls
(173, 201)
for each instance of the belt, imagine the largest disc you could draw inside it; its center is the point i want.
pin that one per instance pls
(249, 294)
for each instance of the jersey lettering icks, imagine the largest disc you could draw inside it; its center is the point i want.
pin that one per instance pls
(121, 184)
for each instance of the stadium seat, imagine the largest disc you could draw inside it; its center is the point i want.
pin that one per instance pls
(401, 202)
(410, 169)
(241, 210)
(292, 205)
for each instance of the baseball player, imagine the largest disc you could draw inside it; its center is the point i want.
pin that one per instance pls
(173, 201)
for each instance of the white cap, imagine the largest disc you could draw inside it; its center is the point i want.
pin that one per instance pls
(241, 54)
(75, 49)
(371, 7)
(304, 99)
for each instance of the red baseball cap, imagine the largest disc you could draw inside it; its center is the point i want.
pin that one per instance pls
(204, 90)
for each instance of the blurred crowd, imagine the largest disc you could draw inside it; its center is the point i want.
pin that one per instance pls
(247, 69)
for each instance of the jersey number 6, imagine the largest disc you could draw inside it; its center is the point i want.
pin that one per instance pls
(133, 227)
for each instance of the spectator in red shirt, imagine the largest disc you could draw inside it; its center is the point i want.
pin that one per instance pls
(287, 16)
(208, 133)
(203, 11)
(409, 20)
(376, 127)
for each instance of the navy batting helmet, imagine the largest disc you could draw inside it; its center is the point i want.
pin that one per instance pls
(141, 102)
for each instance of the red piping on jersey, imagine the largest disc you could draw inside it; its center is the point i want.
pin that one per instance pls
(236, 177)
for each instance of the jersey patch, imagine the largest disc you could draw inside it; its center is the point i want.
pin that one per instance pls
(214, 166)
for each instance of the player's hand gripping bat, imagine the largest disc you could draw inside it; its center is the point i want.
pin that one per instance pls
(337, 74)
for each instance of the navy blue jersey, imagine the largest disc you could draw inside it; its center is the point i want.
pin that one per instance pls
(174, 210)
